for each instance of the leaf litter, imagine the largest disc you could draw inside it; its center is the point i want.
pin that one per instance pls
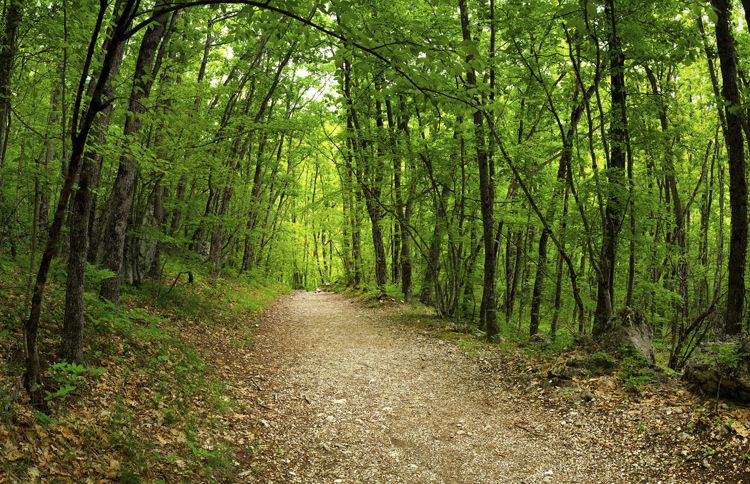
(355, 395)
(321, 388)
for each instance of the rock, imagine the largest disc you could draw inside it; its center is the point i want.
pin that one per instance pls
(577, 361)
(575, 394)
(540, 340)
(585, 395)
(599, 363)
(580, 365)
(563, 375)
(629, 327)
(565, 372)
(722, 369)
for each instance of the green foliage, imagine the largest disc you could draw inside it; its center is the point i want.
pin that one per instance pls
(45, 420)
(95, 274)
(669, 371)
(135, 449)
(68, 377)
(603, 360)
(637, 378)
(632, 357)
(635, 372)
(212, 459)
(249, 164)
(726, 356)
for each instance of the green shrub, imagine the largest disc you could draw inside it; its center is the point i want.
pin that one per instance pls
(603, 360)
(67, 377)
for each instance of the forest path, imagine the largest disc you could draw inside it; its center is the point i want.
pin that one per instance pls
(353, 396)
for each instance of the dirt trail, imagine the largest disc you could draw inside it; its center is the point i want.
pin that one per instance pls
(351, 396)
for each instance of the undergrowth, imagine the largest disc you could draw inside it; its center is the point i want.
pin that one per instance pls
(633, 372)
(144, 398)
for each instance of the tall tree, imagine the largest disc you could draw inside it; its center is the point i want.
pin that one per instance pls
(737, 177)
(121, 197)
(8, 50)
(616, 198)
(486, 184)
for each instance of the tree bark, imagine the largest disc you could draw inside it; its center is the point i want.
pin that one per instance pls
(121, 198)
(616, 183)
(32, 380)
(486, 191)
(8, 48)
(71, 347)
(736, 153)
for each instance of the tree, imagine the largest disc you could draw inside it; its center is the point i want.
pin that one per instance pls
(737, 176)
(121, 198)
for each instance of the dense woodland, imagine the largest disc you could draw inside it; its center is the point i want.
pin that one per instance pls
(523, 166)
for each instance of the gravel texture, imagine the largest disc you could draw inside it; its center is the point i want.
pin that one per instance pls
(350, 395)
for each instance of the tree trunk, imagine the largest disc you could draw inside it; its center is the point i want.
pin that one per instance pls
(561, 187)
(81, 211)
(558, 271)
(123, 190)
(32, 380)
(616, 186)
(736, 153)
(8, 46)
(536, 295)
(432, 269)
(486, 192)
(372, 200)
(49, 157)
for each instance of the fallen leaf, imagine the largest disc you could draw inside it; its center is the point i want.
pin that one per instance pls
(740, 429)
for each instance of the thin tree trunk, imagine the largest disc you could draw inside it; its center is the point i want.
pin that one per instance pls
(486, 192)
(559, 271)
(615, 199)
(8, 48)
(432, 269)
(561, 187)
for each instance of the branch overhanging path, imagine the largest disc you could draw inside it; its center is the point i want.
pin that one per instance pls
(429, 93)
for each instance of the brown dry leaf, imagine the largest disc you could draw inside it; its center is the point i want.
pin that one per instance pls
(11, 452)
(33, 474)
(114, 469)
(740, 429)
(68, 434)
(179, 437)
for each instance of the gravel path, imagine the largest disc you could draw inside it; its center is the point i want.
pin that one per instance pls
(352, 396)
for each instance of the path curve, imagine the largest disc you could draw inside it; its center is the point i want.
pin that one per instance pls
(352, 396)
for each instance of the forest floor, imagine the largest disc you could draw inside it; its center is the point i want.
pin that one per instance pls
(324, 388)
(350, 393)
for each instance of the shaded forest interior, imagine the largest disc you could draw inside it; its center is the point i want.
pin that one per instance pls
(522, 167)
